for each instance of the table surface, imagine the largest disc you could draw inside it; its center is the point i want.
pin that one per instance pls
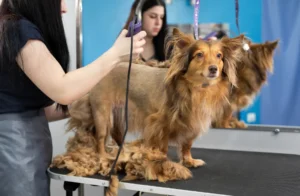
(269, 128)
(226, 173)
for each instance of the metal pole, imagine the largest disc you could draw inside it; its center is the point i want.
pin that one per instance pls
(78, 11)
(81, 190)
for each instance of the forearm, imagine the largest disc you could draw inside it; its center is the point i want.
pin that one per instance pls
(47, 74)
(79, 82)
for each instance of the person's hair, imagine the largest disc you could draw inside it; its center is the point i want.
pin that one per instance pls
(46, 15)
(220, 34)
(159, 40)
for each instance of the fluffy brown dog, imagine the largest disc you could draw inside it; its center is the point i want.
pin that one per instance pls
(252, 74)
(165, 105)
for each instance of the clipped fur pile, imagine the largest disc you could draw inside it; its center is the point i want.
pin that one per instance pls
(137, 161)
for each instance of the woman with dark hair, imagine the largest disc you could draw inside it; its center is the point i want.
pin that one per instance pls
(34, 60)
(154, 22)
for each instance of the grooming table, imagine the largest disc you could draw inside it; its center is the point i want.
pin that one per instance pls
(228, 172)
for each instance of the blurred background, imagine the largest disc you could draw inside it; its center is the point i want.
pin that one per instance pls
(261, 20)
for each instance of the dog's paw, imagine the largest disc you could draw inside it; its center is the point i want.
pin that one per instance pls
(241, 125)
(226, 125)
(244, 101)
(236, 124)
(193, 162)
(104, 172)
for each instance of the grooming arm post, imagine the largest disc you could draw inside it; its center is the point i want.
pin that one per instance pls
(70, 187)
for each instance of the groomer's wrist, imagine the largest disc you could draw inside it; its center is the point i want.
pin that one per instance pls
(113, 52)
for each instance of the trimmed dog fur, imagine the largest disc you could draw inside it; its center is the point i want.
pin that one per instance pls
(138, 162)
(82, 159)
(165, 105)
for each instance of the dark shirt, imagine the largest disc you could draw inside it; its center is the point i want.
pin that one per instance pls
(17, 92)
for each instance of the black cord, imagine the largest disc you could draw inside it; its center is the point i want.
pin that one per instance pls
(126, 101)
(237, 15)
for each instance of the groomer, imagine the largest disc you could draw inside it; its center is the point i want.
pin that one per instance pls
(154, 22)
(34, 60)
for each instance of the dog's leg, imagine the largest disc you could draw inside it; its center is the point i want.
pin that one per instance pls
(186, 156)
(102, 125)
(223, 119)
(244, 101)
(158, 139)
(165, 142)
(241, 125)
(235, 123)
(227, 115)
(155, 135)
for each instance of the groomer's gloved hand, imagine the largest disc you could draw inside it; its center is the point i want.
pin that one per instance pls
(122, 45)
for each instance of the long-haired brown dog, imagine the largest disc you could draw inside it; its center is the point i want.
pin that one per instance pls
(165, 105)
(252, 73)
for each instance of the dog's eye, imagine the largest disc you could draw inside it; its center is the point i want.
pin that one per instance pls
(219, 55)
(199, 55)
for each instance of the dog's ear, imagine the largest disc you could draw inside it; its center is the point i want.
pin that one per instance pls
(179, 62)
(179, 46)
(232, 54)
(177, 32)
(265, 54)
(180, 39)
(183, 43)
(179, 66)
(271, 46)
(177, 42)
(234, 45)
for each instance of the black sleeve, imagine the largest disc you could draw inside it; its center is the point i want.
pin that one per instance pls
(28, 31)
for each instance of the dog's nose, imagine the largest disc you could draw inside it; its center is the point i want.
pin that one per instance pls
(213, 69)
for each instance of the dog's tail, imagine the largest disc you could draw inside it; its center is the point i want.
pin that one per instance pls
(81, 115)
(118, 126)
(112, 190)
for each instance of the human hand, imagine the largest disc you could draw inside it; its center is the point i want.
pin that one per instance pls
(209, 38)
(122, 45)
